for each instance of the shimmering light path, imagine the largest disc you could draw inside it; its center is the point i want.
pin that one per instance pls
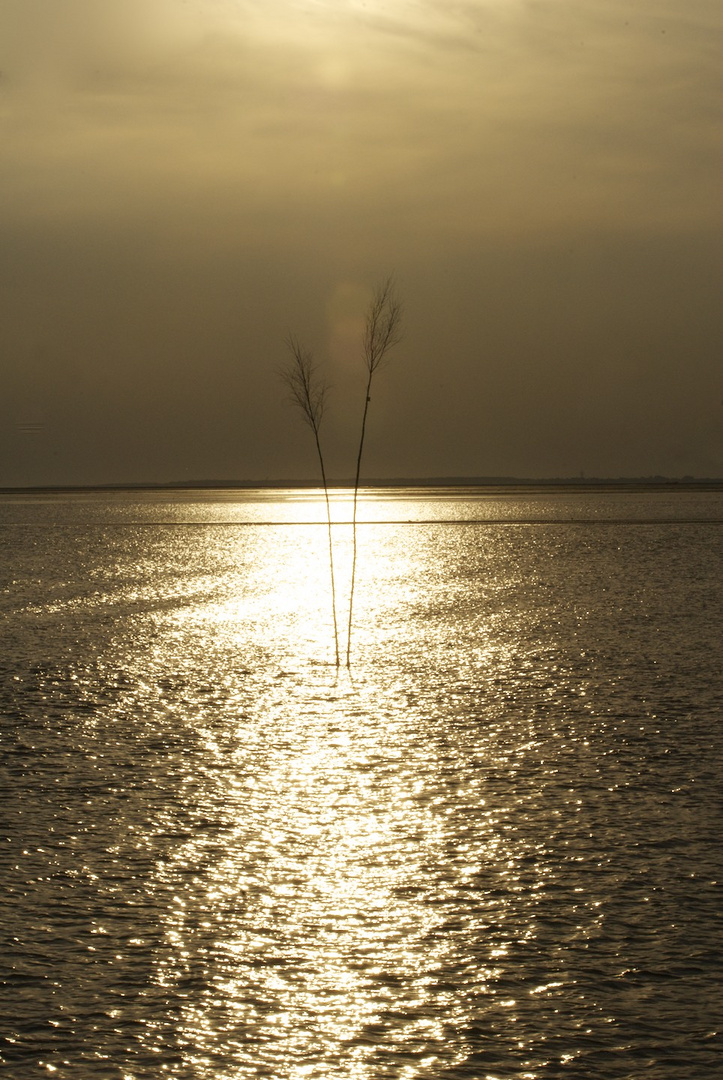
(490, 850)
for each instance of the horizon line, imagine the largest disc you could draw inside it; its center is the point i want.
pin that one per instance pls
(373, 482)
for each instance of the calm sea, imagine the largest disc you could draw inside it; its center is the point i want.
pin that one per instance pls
(490, 849)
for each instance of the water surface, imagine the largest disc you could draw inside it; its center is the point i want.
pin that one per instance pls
(489, 849)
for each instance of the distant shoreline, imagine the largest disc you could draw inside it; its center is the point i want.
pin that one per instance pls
(657, 483)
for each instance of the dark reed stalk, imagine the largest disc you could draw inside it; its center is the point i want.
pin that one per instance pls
(382, 331)
(308, 392)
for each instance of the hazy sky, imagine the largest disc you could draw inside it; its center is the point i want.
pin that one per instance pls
(185, 182)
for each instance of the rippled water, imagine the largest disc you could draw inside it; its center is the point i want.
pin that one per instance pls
(490, 849)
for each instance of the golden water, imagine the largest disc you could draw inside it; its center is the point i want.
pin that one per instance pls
(489, 849)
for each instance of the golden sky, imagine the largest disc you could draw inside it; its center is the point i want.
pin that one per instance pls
(183, 183)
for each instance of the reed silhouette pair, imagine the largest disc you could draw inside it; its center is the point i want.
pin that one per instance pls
(308, 391)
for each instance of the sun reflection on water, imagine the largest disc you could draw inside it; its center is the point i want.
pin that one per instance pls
(314, 901)
(308, 926)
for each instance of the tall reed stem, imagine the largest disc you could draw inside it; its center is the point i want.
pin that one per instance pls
(331, 547)
(308, 392)
(382, 331)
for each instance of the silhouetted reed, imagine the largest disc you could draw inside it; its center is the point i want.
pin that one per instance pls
(382, 331)
(308, 392)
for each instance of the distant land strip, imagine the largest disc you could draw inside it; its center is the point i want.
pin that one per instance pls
(578, 483)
